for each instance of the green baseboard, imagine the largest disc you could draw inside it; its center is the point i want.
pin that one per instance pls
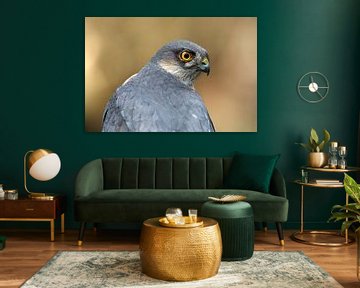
(2, 242)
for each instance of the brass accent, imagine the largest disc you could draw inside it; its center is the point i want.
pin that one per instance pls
(30, 158)
(324, 169)
(282, 242)
(79, 243)
(295, 237)
(188, 224)
(317, 159)
(180, 254)
(36, 155)
(314, 184)
(265, 229)
(29, 209)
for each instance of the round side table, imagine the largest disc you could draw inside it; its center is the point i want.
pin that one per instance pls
(180, 254)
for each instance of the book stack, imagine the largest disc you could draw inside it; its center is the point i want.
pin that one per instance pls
(327, 181)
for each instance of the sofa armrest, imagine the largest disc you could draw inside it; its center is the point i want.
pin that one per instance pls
(89, 179)
(277, 184)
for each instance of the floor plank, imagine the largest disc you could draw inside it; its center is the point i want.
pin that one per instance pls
(28, 250)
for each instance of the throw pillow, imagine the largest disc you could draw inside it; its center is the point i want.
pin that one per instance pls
(251, 172)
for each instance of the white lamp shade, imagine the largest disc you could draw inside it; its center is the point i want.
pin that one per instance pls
(46, 168)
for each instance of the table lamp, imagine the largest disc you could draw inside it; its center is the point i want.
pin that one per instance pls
(43, 165)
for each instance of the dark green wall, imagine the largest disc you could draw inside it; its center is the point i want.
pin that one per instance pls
(42, 88)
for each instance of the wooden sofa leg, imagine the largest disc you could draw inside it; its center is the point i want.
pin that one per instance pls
(81, 233)
(280, 233)
(265, 227)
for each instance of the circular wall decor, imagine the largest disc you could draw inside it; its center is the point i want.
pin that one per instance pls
(313, 87)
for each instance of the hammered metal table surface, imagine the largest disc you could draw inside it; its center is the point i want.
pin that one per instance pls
(180, 254)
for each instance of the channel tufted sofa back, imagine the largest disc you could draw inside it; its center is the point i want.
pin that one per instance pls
(164, 173)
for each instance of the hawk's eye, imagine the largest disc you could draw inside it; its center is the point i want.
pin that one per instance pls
(185, 56)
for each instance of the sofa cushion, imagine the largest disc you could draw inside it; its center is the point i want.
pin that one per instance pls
(266, 207)
(251, 172)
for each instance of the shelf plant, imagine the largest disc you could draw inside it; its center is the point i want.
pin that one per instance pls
(317, 157)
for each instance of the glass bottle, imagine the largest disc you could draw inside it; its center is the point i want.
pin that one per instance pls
(342, 154)
(333, 162)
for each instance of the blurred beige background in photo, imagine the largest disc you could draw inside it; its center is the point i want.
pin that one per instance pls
(118, 47)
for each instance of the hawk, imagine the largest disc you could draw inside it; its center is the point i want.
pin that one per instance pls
(161, 97)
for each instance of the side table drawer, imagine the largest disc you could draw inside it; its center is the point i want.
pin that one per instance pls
(31, 209)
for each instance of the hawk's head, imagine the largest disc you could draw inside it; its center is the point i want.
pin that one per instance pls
(183, 59)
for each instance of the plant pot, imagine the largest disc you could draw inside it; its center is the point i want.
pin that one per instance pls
(317, 159)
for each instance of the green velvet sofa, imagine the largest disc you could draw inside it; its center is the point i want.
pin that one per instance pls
(130, 190)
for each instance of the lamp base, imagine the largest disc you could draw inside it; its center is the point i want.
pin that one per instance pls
(41, 196)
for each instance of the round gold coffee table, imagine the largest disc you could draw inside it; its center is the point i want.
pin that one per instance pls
(180, 254)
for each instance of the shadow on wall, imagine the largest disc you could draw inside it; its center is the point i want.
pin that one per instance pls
(116, 48)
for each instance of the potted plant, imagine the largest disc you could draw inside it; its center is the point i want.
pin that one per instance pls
(317, 157)
(350, 214)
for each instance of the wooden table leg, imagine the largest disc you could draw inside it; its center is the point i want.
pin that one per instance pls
(52, 230)
(63, 223)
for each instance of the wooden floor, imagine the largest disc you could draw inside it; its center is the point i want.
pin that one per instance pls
(28, 250)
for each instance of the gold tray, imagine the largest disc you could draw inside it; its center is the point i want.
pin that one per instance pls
(228, 198)
(165, 222)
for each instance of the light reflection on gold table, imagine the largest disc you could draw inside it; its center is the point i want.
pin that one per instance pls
(180, 254)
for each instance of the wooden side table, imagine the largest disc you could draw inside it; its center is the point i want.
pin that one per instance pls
(26, 209)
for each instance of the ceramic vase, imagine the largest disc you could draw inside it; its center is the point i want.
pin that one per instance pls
(317, 159)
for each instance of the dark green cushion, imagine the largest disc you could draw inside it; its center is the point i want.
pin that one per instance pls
(251, 172)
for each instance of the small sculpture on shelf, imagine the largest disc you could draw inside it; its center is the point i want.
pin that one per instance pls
(342, 154)
(333, 152)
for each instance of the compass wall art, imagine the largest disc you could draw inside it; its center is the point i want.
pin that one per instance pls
(313, 87)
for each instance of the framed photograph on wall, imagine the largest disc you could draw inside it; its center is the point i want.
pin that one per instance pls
(171, 74)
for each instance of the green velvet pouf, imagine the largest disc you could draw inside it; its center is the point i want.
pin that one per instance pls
(236, 221)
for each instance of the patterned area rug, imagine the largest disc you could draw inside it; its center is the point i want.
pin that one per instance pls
(122, 269)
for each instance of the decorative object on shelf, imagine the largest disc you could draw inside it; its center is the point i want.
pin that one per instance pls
(43, 165)
(11, 194)
(327, 181)
(304, 176)
(342, 153)
(332, 162)
(350, 213)
(313, 87)
(228, 198)
(317, 157)
(2, 192)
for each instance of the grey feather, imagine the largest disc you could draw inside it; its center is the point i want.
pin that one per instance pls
(161, 96)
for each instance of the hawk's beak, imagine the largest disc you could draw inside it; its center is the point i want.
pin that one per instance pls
(205, 65)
